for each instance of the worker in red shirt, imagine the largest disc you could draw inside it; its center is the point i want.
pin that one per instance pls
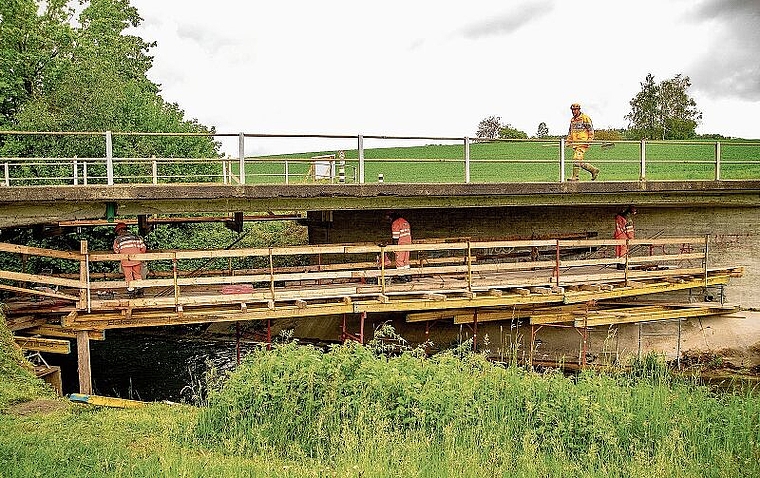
(128, 243)
(401, 233)
(624, 230)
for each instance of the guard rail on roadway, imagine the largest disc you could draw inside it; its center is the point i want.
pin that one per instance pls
(457, 160)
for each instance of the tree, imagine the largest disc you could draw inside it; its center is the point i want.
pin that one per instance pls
(96, 81)
(664, 110)
(543, 130)
(489, 127)
(508, 132)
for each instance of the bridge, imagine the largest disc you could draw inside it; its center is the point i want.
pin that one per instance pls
(549, 274)
(465, 172)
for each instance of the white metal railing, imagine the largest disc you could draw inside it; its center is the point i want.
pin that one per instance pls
(463, 159)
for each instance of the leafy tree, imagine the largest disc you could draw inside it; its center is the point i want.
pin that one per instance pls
(543, 130)
(30, 44)
(489, 127)
(100, 84)
(664, 110)
(508, 132)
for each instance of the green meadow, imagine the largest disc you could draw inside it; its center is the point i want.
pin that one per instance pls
(524, 161)
(298, 411)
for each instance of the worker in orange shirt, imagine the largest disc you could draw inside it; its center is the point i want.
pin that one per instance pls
(624, 230)
(128, 243)
(401, 233)
(581, 130)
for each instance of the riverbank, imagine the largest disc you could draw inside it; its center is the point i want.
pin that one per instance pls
(300, 411)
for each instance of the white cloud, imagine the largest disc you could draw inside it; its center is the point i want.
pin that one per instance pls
(438, 67)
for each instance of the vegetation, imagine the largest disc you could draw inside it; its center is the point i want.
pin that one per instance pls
(17, 381)
(664, 110)
(61, 73)
(300, 411)
(528, 161)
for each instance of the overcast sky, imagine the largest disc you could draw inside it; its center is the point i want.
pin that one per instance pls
(438, 67)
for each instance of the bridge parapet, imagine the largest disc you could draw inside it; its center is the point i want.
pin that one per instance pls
(446, 160)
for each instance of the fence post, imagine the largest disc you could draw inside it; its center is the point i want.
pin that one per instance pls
(109, 158)
(84, 173)
(643, 158)
(717, 160)
(76, 172)
(562, 160)
(241, 157)
(287, 171)
(7, 179)
(342, 167)
(467, 160)
(360, 139)
(154, 168)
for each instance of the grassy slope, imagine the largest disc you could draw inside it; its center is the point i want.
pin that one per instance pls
(528, 162)
(298, 412)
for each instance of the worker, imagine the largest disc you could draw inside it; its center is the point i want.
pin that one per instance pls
(624, 230)
(581, 130)
(128, 243)
(401, 233)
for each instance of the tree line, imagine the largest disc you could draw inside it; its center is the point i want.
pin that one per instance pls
(663, 110)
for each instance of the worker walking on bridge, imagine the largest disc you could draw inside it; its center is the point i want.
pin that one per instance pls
(581, 131)
(128, 243)
(401, 233)
(624, 230)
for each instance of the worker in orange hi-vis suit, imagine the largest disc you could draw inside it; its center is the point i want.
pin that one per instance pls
(128, 243)
(581, 130)
(624, 230)
(402, 234)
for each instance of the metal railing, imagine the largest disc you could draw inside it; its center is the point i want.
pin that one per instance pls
(456, 160)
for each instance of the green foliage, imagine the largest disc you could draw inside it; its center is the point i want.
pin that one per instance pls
(17, 382)
(543, 130)
(508, 132)
(489, 127)
(664, 110)
(92, 77)
(329, 405)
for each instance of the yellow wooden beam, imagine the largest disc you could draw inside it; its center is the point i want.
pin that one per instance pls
(39, 344)
(105, 401)
(63, 332)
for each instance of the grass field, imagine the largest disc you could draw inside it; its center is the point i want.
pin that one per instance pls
(524, 161)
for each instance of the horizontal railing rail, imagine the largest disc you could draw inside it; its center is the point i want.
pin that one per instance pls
(345, 159)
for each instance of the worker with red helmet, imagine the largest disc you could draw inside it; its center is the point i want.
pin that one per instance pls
(128, 243)
(581, 130)
(624, 230)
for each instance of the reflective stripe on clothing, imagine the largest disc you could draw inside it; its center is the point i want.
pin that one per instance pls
(401, 231)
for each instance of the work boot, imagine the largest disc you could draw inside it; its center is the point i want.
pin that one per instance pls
(594, 171)
(576, 172)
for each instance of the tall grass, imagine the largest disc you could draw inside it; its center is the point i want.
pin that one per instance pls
(469, 417)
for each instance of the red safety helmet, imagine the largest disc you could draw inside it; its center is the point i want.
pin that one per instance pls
(121, 227)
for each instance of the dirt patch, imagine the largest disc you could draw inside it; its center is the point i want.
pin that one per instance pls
(38, 406)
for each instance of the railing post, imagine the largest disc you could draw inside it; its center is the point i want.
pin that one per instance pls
(7, 175)
(224, 171)
(287, 171)
(241, 157)
(643, 158)
(562, 160)
(360, 146)
(154, 168)
(342, 167)
(109, 158)
(84, 173)
(76, 172)
(717, 160)
(467, 160)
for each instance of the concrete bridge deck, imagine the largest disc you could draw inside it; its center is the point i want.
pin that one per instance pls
(27, 205)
